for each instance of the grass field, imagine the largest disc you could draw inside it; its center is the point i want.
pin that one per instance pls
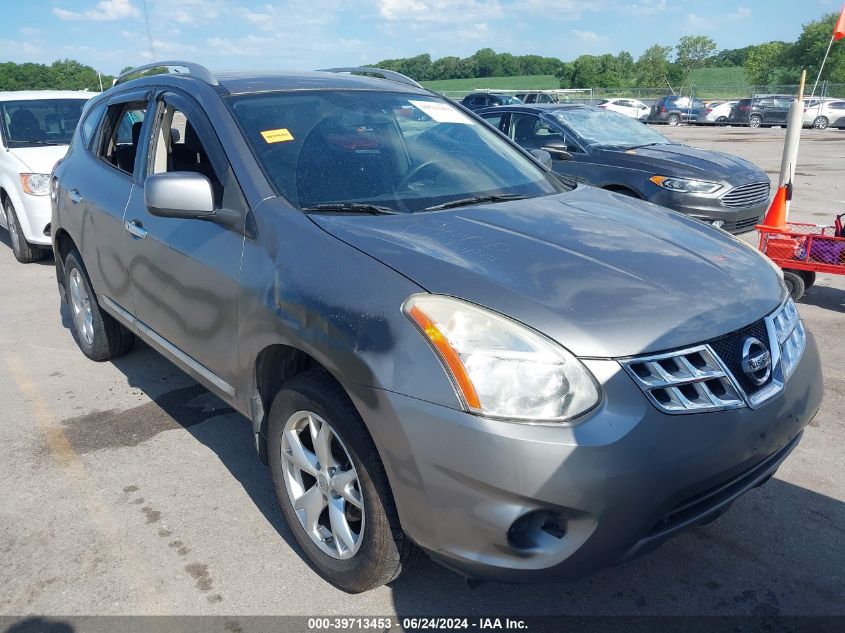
(536, 82)
(703, 78)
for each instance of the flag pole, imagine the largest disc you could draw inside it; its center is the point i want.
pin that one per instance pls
(813, 94)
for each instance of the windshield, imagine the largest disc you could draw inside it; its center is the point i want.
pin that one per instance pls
(406, 152)
(40, 121)
(605, 128)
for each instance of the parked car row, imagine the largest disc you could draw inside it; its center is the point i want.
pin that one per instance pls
(443, 345)
(759, 111)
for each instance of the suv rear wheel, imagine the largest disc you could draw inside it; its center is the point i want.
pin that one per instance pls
(25, 252)
(332, 487)
(673, 119)
(821, 123)
(755, 120)
(98, 334)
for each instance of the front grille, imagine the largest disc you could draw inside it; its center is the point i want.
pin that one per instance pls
(746, 196)
(710, 376)
(729, 349)
(742, 226)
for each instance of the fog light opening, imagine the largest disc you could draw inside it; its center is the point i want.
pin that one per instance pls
(531, 529)
(47, 230)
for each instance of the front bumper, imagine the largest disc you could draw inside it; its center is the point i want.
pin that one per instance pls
(709, 209)
(617, 484)
(34, 215)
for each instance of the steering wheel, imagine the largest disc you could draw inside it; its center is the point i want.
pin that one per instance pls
(408, 178)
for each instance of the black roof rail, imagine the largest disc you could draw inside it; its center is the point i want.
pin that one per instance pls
(390, 75)
(195, 70)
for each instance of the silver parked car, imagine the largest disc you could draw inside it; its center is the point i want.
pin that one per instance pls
(442, 347)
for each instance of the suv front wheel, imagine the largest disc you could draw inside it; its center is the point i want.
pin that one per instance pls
(332, 487)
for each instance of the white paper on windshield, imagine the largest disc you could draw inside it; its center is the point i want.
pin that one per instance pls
(442, 112)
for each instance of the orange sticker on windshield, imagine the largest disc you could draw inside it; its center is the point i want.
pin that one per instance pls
(277, 136)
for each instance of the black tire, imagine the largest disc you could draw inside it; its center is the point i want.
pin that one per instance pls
(821, 123)
(755, 120)
(673, 119)
(24, 252)
(794, 283)
(385, 550)
(110, 339)
(722, 120)
(809, 277)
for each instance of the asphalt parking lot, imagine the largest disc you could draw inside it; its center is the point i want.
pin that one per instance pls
(127, 488)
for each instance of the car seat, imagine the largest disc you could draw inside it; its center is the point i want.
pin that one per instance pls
(23, 126)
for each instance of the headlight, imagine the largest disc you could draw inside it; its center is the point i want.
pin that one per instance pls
(791, 336)
(499, 367)
(685, 185)
(36, 184)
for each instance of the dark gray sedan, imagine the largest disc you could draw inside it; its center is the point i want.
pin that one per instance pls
(615, 152)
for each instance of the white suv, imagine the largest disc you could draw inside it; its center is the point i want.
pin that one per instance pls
(35, 130)
(824, 113)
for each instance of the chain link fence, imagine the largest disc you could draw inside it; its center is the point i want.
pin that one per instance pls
(650, 95)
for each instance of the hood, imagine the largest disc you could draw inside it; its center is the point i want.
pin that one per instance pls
(685, 161)
(603, 274)
(39, 160)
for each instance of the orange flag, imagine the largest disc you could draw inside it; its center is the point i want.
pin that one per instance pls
(839, 29)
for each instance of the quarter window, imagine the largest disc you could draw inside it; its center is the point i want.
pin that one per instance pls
(90, 124)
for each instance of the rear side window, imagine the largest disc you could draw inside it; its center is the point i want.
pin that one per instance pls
(91, 123)
(837, 105)
(119, 141)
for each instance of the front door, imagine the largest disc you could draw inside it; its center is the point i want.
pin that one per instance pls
(184, 273)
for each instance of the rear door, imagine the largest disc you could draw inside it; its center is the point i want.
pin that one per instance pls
(184, 273)
(98, 195)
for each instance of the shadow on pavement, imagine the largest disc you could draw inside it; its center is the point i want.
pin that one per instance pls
(826, 297)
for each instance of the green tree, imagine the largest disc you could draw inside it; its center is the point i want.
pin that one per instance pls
(585, 72)
(653, 67)
(693, 52)
(484, 61)
(764, 62)
(808, 51)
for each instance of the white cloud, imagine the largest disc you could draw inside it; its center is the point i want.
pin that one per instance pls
(441, 11)
(586, 36)
(648, 7)
(739, 14)
(14, 49)
(695, 23)
(103, 11)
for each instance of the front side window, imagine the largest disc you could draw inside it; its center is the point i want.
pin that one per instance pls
(39, 121)
(320, 147)
(178, 145)
(605, 128)
(90, 124)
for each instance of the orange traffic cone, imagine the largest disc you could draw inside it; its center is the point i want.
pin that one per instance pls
(775, 219)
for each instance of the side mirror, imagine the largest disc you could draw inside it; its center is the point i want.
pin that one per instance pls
(179, 194)
(557, 149)
(542, 157)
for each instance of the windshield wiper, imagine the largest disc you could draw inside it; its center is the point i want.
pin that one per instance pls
(464, 202)
(647, 145)
(350, 207)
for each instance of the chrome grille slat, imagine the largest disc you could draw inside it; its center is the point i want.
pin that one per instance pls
(695, 368)
(746, 195)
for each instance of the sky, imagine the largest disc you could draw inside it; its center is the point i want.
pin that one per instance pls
(308, 34)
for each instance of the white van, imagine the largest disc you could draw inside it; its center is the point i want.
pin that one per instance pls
(35, 129)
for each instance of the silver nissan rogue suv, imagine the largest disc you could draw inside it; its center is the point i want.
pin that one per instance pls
(442, 347)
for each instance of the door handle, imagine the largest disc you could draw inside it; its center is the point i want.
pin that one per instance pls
(75, 196)
(136, 229)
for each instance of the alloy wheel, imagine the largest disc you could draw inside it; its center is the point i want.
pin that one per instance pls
(80, 304)
(754, 121)
(821, 123)
(322, 485)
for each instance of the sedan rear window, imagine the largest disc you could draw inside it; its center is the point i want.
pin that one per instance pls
(407, 152)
